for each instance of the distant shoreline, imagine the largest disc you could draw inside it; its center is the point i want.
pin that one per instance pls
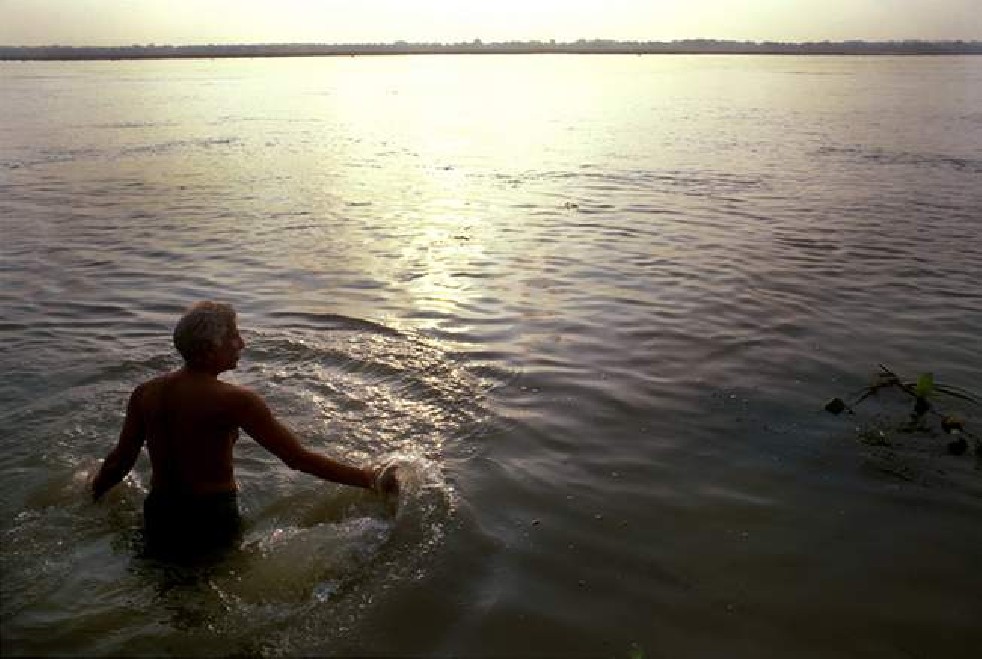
(581, 47)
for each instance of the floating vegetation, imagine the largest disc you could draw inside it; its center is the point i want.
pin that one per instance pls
(925, 392)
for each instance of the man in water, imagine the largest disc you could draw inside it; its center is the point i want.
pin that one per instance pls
(190, 420)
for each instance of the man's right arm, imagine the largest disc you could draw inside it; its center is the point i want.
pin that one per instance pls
(255, 417)
(123, 456)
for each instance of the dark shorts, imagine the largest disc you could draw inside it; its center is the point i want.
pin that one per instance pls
(190, 524)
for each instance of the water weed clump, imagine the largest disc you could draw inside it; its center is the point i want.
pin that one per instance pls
(925, 392)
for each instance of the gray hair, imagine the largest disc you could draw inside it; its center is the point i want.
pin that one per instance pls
(202, 328)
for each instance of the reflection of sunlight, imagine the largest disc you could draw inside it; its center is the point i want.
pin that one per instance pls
(444, 105)
(439, 260)
(459, 125)
(456, 125)
(403, 166)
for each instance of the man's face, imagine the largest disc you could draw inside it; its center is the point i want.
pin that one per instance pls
(231, 348)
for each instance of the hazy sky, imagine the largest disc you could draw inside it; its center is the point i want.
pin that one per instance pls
(123, 22)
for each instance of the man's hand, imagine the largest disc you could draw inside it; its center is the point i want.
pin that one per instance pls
(384, 480)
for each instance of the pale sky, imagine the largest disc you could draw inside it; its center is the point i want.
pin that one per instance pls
(180, 22)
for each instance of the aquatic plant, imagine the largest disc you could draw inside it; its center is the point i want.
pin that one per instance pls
(925, 391)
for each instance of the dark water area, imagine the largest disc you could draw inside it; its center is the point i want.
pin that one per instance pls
(592, 305)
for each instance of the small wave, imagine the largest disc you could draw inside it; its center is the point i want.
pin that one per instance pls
(708, 180)
(53, 157)
(816, 244)
(886, 157)
(164, 147)
(58, 156)
(330, 322)
(131, 124)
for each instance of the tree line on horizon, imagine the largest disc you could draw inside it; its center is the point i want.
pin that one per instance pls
(581, 46)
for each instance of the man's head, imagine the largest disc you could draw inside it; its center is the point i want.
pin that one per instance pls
(207, 336)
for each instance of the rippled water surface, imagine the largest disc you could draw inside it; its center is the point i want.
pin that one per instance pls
(593, 305)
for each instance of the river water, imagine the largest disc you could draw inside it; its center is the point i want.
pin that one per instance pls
(593, 305)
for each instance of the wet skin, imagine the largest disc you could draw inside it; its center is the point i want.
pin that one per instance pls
(190, 420)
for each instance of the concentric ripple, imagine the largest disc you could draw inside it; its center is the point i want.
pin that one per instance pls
(314, 553)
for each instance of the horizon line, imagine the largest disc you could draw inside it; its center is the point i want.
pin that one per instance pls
(153, 51)
(545, 42)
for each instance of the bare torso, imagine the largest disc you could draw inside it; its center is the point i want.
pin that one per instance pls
(191, 427)
(190, 420)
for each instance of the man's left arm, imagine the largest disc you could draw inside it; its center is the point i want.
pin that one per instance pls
(123, 456)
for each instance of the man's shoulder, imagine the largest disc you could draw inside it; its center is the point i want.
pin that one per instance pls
(154, 383)
(238, 394)
(152, 386)
(176, 381)
(141, 390)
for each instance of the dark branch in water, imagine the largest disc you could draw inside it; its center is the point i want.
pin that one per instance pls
(581, 46)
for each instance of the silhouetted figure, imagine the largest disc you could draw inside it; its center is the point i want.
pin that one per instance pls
(190, 421)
